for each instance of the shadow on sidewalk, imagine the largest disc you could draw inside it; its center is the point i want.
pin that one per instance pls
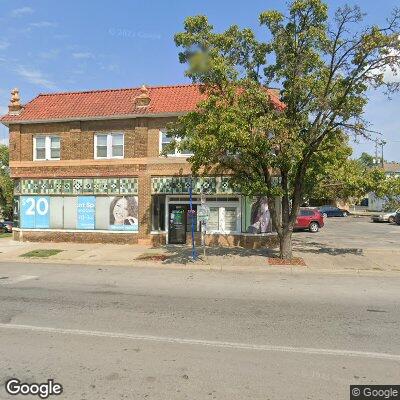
(323, 248)
(183, 254)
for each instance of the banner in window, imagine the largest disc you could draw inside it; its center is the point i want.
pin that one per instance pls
(86, 211)
(124, 213)
(260, 218)
(35, 212)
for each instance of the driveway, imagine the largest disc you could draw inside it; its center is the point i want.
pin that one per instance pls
(353, 233)
(352, 243)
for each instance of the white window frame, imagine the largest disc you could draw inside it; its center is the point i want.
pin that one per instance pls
(47, 148)
(109, 145)
(221, 218)
(177, 152)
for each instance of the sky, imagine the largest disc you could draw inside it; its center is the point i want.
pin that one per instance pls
(48, 46)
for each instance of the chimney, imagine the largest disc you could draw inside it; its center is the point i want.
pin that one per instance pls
(15, 106)
(143, 100)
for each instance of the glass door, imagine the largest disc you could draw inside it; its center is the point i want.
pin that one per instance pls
(177, 223)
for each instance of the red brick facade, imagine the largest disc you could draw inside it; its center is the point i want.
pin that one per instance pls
(141, 127)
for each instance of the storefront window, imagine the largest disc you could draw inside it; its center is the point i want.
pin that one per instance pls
(158, 213)
(117, 213)
(256, 217)
(230, 219)
(189, 217)
(213, 221)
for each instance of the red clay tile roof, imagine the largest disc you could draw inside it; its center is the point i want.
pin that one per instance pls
(111, 103)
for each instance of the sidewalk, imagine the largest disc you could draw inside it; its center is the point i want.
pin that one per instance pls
(317, 259)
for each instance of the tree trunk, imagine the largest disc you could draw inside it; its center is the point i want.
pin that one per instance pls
(285, 244)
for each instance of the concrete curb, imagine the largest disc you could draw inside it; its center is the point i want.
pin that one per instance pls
(207, 267)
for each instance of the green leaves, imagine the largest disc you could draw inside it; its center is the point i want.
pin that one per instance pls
(323, 73)
(6, 184)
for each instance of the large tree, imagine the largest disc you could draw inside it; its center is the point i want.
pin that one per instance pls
(334, 176)
(323, 68)
(6, 184)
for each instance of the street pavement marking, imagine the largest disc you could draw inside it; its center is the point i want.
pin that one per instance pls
(17, 279)
(209, 343)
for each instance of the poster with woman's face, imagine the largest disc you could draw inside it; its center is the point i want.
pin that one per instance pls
(124, 213)
(260, 217)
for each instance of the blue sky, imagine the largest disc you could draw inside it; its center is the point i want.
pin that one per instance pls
(48, 46)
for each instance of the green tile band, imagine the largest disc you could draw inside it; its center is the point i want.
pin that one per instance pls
(77, 186)
(181, 185)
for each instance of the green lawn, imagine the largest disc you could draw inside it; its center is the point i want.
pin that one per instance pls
(5, 235)
(41, 253)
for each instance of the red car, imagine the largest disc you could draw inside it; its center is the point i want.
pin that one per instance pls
(310, 219)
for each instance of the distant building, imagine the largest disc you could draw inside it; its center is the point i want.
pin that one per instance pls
(392, 169)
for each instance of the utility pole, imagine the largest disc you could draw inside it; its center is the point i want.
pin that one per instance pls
(382, 143)
(376, 152)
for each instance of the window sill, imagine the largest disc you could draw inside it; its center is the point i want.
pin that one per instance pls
(47, 159)
(71, 230)
(176, 155)
(109, 158)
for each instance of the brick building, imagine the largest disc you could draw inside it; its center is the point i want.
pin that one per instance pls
(87, 167)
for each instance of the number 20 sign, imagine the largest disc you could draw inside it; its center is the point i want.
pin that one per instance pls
(35, 212)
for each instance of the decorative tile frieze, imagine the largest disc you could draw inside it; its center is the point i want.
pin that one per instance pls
(77, 186)
(181, 185)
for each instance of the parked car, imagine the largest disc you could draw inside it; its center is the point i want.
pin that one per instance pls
(310, 219)
(331, 211)
(397, 218)
(6, 226)
(388, 216)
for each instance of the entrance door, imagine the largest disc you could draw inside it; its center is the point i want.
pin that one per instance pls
(177, 224)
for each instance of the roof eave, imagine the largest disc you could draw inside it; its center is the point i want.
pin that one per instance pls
(96, 118)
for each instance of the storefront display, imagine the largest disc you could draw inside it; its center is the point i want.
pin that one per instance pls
(86, 211)
(118, 213)
(124, 213)
(256, 216)
(35, 212)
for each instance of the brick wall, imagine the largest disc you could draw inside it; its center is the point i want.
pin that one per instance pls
(76, 237)
(156, 240)
(77, 150)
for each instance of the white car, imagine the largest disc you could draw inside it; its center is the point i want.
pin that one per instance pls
(386, 216)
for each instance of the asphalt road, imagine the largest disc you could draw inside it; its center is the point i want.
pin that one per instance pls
(137, 333)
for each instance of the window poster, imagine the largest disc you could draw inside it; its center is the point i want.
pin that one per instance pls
(86, 211)
(124, 213)
(260, 218)
(35, 212)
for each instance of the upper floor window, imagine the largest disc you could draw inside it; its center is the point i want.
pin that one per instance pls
(109, 145)
(46, 148)
(165, 140)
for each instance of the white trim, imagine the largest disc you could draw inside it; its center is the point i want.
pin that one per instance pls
(73, 230)
(109, 136)
(219, 204)
(102, 118)
(177, 153)
(47, 147)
